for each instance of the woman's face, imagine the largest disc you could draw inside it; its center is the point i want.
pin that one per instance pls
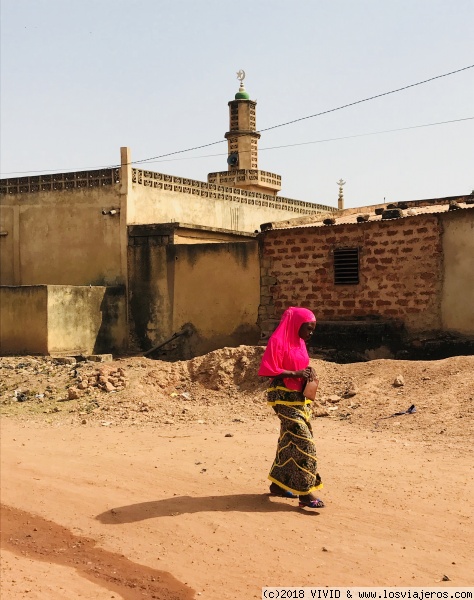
(306, 331)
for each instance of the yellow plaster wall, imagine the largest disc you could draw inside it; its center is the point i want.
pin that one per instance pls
(86, 320)
(7, 245)
(457, 302)
(63, 237)
(151, 284)
(217, 290)
(53, 319)
(149, 205)
(24, 320)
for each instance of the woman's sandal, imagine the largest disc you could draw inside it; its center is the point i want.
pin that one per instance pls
(312, 504)
(281, 493)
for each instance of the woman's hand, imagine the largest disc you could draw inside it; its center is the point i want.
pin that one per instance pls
(309, 374)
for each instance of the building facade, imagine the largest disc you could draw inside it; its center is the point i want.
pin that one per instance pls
(415, 272)
(79, 230)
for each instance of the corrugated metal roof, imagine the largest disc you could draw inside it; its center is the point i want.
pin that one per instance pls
(351, 219)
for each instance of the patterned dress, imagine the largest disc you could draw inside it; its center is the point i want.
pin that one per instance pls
(295, 467)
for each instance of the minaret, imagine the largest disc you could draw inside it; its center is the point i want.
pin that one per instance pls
(242, 141)
(340, 198)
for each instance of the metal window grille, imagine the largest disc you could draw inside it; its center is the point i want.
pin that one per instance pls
(346, 266)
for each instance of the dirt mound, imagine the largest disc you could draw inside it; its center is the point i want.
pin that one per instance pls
(224, 386)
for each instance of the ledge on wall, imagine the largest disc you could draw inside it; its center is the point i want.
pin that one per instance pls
(369, 339)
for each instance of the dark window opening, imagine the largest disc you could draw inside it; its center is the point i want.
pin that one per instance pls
(346, 266)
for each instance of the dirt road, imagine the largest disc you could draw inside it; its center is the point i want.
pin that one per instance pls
(180, 510)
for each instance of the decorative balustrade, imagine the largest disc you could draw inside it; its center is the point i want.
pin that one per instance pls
(103, 177)
(221, 192)
(60, 181)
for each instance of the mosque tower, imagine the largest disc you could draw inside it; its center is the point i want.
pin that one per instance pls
(242, 141)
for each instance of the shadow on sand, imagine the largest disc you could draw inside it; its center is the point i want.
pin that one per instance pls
(179, 505)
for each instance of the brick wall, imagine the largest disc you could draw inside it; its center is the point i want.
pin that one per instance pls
(400, 275)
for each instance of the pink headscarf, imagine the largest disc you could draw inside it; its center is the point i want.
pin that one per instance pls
(286, 351)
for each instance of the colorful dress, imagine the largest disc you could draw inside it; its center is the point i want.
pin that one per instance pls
(295, 467)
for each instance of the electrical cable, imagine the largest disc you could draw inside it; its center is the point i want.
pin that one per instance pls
(345, 137)
(314, 115)
(155, 158)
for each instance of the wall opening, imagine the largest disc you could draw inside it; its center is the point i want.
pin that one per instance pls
(346, 266)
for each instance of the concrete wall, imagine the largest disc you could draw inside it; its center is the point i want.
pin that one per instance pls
(62, 319)
(457, 301)
(151, 289)
(213, 287)
(62, 237)
(217, 291)
(198, 203)
(24, 320)
(401, 272)
(86, 320)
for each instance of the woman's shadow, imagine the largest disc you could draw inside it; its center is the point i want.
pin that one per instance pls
(179, 505)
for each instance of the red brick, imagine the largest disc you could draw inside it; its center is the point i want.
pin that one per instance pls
(268, 251)
(300, 265)
(295, 249)
(402, 302)
(383, 303)
(349, 303)
(408, 232)
(407, 250)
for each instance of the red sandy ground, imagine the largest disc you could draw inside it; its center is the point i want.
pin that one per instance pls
(141, 494)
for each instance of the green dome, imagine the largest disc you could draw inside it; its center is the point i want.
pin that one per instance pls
(242, 95)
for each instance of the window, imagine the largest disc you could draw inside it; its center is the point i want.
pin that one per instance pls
(346, 266)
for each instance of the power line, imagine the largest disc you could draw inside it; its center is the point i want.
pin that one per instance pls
(156, 158)
(315, 115)
(406, 87)
(345, 137)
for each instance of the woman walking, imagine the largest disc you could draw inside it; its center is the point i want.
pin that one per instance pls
(295, 469)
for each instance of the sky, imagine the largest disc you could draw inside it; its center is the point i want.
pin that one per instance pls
(81, 78)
